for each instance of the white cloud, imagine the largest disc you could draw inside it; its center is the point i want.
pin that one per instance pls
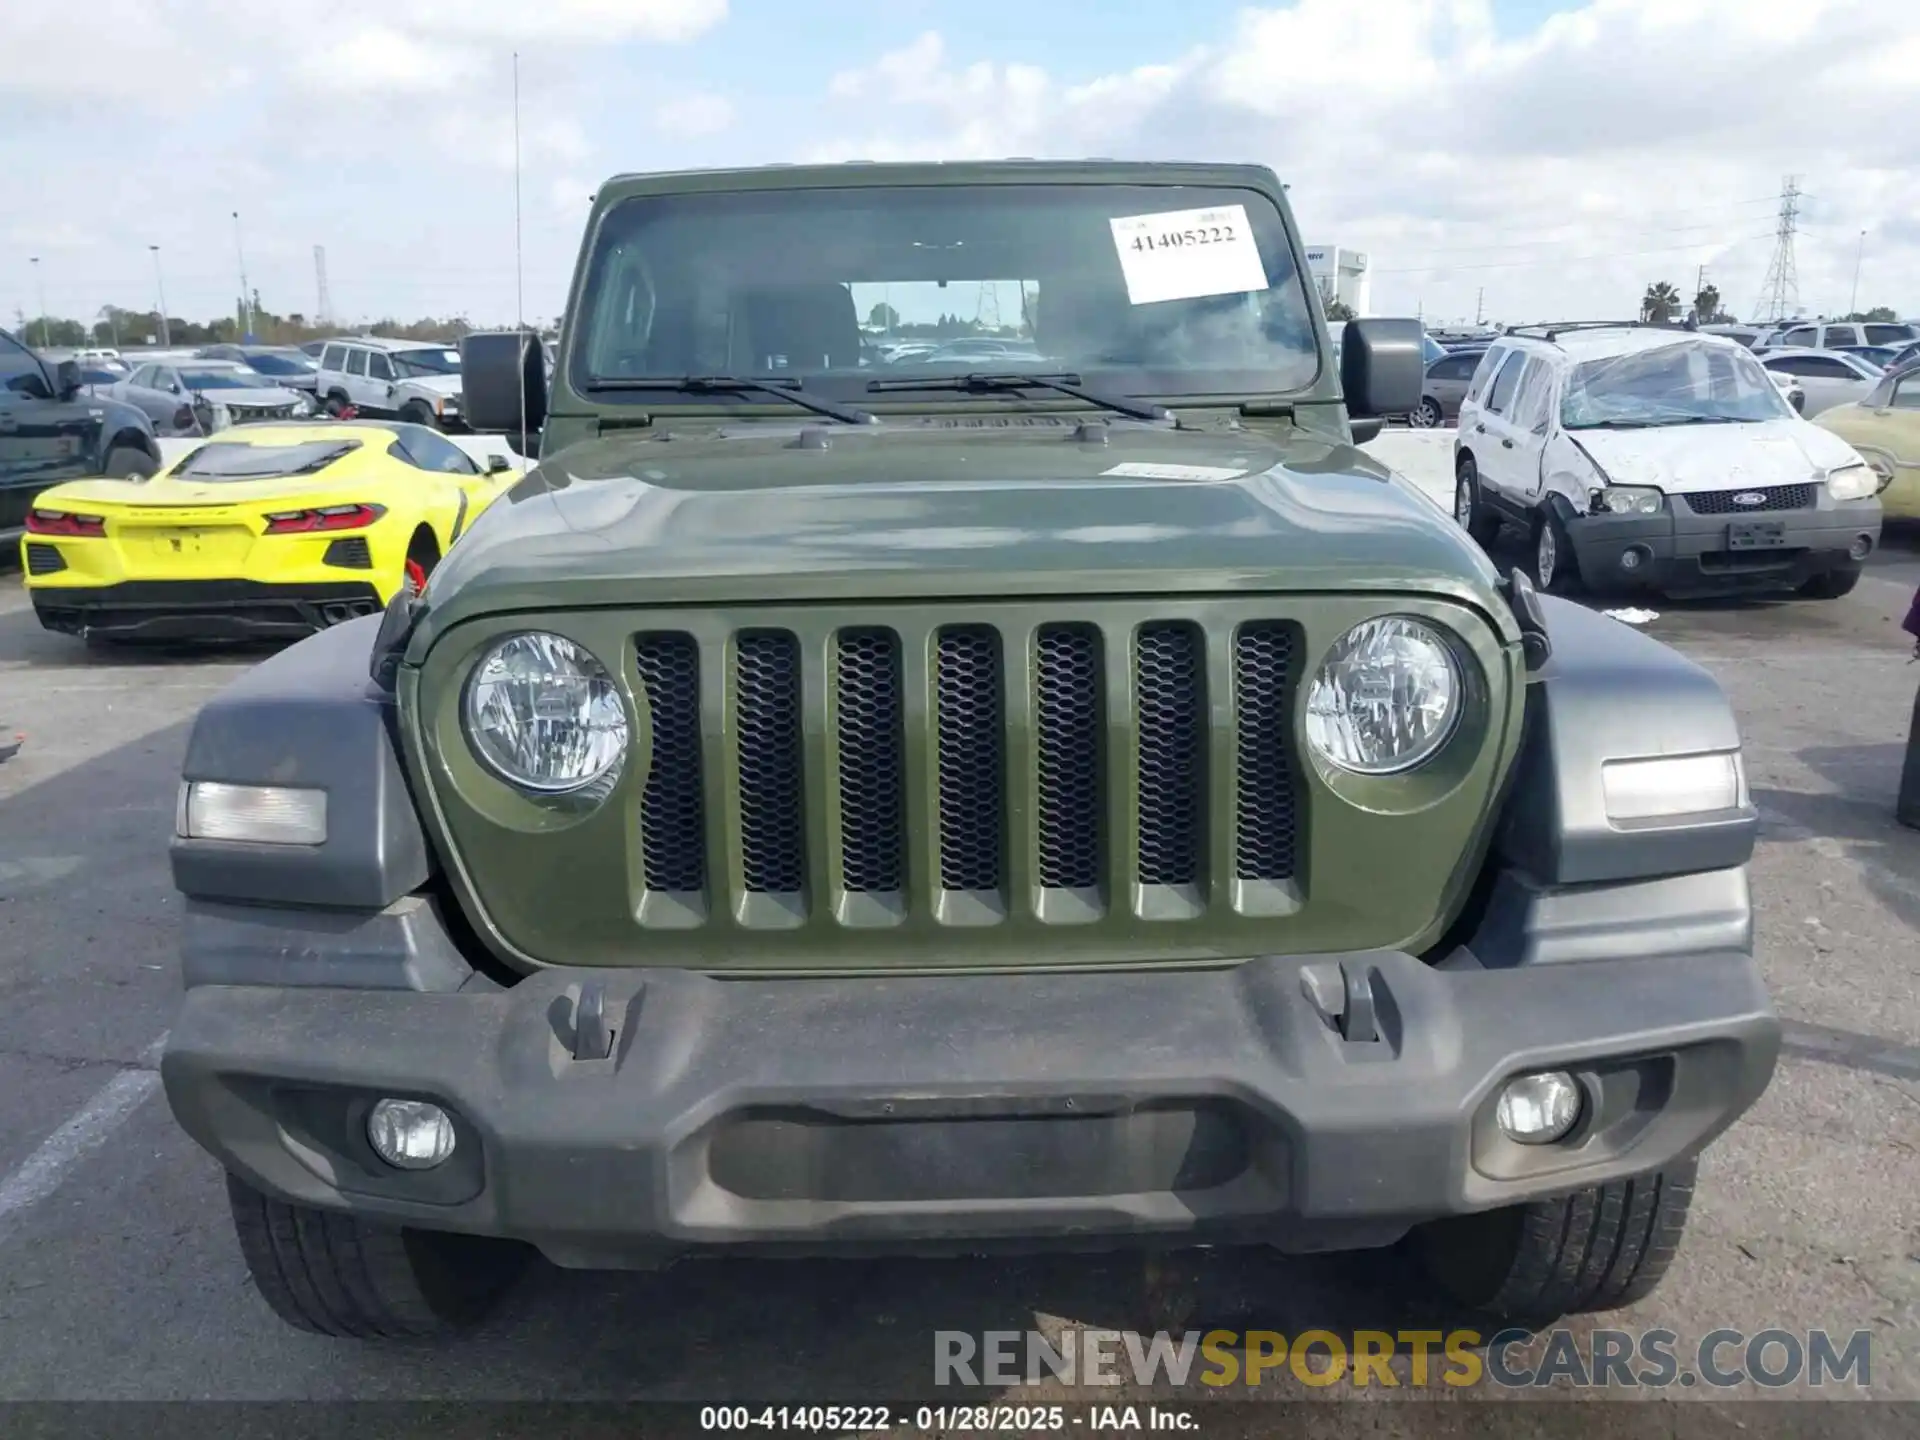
(694, 116)
(1563, 170)
(378, 60)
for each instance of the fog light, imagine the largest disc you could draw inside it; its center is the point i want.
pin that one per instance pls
(1539, 1109)
(410, 1134)
(1630, 559)
(1673, 786)
(1861, 548)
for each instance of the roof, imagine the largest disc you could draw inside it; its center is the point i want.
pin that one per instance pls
(1603, 342)
(385, 342)
(1011, 171)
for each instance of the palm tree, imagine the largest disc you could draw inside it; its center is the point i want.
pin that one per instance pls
(1660, 304)
(1706, 305)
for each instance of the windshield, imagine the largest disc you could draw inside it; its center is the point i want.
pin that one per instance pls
(1678, 384)
(426, 362)
(225, 380)
(1144, 290)
(295, 364)
(231, 460)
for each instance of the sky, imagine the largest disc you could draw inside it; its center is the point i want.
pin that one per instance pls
(1519, 159)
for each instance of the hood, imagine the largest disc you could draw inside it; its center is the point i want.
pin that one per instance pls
(434, 384)
(1717, 457)
(951, 506)
(262, 396)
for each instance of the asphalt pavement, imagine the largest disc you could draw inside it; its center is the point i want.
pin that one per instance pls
(119, 1276)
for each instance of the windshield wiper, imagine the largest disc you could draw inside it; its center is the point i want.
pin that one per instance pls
(986, 384)
(736, 385)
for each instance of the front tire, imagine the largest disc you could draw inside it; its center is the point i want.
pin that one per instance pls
(1601, 1248)
(128, 462)
(418, 414)
(1556, 570)
(1832, 584)
(335, 404)
(1428, 416)
(335, 1274)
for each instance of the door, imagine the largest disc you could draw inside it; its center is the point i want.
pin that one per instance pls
(1529, 418)
(356, 378)
(43, 441)
(379, 381)
(1493, 433)
(1447, 380)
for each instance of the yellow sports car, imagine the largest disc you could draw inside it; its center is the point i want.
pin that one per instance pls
(265, 531)
(1884, 426)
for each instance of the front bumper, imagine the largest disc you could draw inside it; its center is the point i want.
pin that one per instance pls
(164, 610)
(1679, 552)
(975, 1112)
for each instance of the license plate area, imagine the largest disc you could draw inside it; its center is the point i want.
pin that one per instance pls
(1757, 535)
(215, 543)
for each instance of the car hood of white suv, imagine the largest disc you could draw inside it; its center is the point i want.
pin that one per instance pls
(1740, 456)
(435, 384)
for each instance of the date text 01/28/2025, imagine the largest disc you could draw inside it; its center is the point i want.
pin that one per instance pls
(943, 1419)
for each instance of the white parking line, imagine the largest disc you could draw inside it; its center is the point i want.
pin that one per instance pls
(90, 1127)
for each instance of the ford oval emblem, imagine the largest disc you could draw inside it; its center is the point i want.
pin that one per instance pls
(1751, 497)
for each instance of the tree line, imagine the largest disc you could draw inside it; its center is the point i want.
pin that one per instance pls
(1662, 305)
(122, 327)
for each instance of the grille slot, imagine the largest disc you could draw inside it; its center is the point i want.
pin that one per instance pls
(1264, 823)
(1169, 680)
(767, 717)
(351, 553)
(672, 819)
(1779, 497)
(971, 740)
(44, 559)
(1067, 728)
(870, 750)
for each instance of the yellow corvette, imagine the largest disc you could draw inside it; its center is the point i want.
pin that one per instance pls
(265, 531)
(1884, 426)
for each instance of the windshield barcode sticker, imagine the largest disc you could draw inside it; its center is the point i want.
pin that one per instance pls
(1185, 254)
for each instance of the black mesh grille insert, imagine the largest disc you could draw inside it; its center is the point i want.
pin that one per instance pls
(1066, 722)
(351, 553)
(1779, 497)
(971, 742)
(1263, 823)
(870, 751)
(767, 700)
(672, 826)
(1169, 681)
(44, 559)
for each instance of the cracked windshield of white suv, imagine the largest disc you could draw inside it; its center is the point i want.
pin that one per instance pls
(1689, 383)
(1141, 290)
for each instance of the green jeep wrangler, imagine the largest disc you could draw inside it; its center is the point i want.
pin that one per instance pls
(952, 747)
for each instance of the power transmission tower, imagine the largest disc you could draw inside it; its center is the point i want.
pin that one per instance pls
(324, 315)
(986, 310)
(1780, 291)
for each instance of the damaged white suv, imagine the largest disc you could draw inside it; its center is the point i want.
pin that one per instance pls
(1647, 457)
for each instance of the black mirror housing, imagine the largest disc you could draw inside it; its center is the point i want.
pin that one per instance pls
(66, 379)
(1382, 367)
(498, 367)
(497, 463)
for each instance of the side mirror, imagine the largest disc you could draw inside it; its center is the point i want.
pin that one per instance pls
(498, 368)
(1382, 370)
(497, 463)
(66, 379)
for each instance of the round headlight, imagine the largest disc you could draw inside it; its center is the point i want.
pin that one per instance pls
(544, 715)
(1386, 698)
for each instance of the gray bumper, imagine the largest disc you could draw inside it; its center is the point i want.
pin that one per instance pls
(967, 1112)
(1683, 553)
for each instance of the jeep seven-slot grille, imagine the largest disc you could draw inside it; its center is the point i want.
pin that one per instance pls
(1092, 775)
(1778, 497)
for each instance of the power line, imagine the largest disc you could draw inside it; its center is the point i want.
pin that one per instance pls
(1584, 234)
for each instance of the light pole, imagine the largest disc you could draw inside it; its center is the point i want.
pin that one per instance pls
(166, 336)
(1859, 251)
(246, 295)
(40, 290)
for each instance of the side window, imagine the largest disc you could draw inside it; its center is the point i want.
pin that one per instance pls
(1454, 367)
(1530, 401)
(1828, 367)
(1501, 395)
(334, 358)
(425, 450)
(1887, 334)
(1841, 335)
(1906, 392)
(1489, 363)
(356, 362)
(142, 377)
(1798, 364)
(18, 367)
(379, 367)
(1805, 335)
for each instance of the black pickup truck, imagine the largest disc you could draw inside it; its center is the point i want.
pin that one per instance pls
(52, 431)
